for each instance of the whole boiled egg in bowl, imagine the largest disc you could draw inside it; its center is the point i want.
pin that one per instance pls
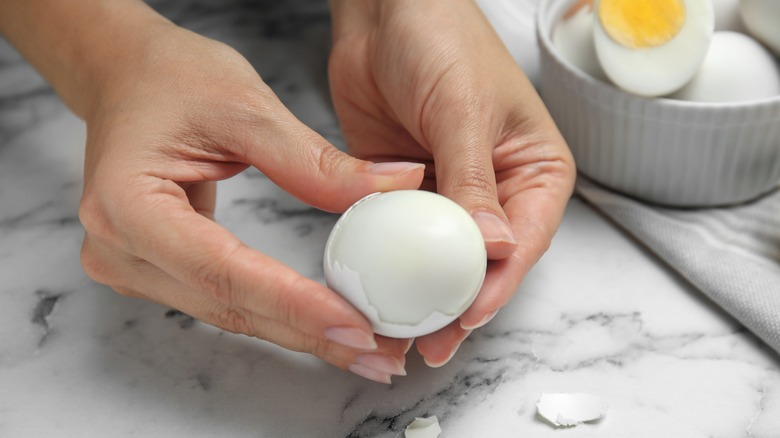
(674, 102)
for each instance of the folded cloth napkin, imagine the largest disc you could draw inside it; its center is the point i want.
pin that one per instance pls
(731, 254)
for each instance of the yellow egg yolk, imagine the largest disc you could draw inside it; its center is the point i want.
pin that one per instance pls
(639, 24)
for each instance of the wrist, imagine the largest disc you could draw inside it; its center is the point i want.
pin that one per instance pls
(81, 47)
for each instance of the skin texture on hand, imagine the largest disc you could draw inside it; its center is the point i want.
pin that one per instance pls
(431, 82)
(149, 199)
(166, 118)
(170, 112)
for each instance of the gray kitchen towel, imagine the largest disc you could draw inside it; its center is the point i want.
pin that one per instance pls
(731, 254)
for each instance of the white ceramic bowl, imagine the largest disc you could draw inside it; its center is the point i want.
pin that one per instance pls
(669, 152)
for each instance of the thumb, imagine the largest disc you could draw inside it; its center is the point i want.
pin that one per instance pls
(310, 168)
(465, 174)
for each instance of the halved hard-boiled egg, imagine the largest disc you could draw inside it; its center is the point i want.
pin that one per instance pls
(652, 47)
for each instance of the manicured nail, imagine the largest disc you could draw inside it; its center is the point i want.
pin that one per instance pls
(493, 228)
(382, 363)
(442, 363)
(394, 168)
(447, 359)
(351, 337)
(481, 323)
(370, 373)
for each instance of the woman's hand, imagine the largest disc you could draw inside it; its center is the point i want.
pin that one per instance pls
(168, 113)
(431, 82)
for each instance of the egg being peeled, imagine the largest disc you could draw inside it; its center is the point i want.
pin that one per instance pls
(737, 69)
(652, 47)
(411, 261)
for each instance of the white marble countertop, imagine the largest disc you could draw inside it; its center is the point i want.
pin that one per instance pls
(598, 314)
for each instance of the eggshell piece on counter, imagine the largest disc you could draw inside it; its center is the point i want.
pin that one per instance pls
(411, 261)
(569, 410)
(427, 427)
(736, 69)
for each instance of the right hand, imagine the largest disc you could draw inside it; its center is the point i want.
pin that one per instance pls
(179, 115)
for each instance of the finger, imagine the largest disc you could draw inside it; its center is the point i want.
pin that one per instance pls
(465, 174)
(438, 348)
(157, 224)
(311, 169)
(534, 214)
(137, 278)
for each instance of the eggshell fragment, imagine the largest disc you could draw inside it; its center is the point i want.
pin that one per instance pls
(411, 261)
(423, 428)
(568, 410)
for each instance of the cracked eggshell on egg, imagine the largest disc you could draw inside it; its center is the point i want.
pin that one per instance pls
(411, 261)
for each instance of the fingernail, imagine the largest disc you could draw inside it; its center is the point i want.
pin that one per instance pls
(351, 337)
(382, 363)
(370, 373)
(442, 363)
(481, 323)
(493, 228)
(394, 168)
(447, 359)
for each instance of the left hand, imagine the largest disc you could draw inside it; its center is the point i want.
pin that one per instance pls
(432, 82)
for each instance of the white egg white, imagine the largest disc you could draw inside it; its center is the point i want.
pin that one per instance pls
(411, 261)
(660, 70)
(573, 37)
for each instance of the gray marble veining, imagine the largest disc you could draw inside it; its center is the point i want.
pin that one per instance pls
(598, 314)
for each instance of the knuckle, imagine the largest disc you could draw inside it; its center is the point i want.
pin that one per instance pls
(93, 217)
(216, 282)
(93, 265)
(216, 279)
(328, 160)
(476, 183)
(315, 346)
(232, 319)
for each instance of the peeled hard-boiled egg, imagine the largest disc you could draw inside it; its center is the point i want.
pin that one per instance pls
(573, 37)
(762, 20)
(652, 47)
(737, 68)
(411, 261)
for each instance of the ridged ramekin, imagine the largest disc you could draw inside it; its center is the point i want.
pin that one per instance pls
(669, 152)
